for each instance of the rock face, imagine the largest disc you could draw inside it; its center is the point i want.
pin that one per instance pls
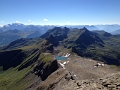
(84, 40)
(56, 80)
(87, 38)
(43, 69)
(62, 79)
(56, 34)
(11, 58)
(110, 82)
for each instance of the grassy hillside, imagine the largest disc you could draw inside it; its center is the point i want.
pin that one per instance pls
(20, 68)
(10, 79)
(25, 63)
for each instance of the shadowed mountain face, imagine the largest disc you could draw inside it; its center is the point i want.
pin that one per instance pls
(87, 38)
(85, 43)
(7, 37)
(57, 31)
(29, 64)
(11, 58)
(116, 32)
(95, 44)
(14, 31)
(56, 34)
(83, 37)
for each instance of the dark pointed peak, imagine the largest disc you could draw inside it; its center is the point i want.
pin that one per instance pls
(51, 36)
(84, 28)
(56, 27)
(66, 28)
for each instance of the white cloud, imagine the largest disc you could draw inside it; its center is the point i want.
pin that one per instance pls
(29, 20)
(68, 22)
(32, 23)
(18, 22)
(1, 21)
(1, 25)
(46, 20)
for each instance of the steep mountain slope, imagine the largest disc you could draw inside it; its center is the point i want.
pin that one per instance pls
(34, 34)
(23, 42)
(11, 35)
(1, 30)
(30, 64)
(26, 66)
(83, 38)
(56, 34)
(102, 34)
(14, 31)
(87, 44)
(116, 32)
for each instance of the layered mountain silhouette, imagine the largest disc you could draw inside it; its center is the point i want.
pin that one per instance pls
(56, 34)
(89, 27)
(116, 32)
(8, 36)
(30, 63)
(14, 31)
(81, 41)
(20, 26)
(108, 28)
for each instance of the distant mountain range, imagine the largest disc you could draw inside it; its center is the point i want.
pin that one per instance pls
(97, 45)
(89, 27)
(108, 28)
(19, 26)
(8, 36)
(14, 31)
(43, 28)
(116, 32)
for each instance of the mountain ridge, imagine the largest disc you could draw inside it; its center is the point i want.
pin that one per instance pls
(31, 63)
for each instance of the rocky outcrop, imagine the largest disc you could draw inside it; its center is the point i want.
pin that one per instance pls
(56, 34)
(63, 80)
(87, 38)
(56, 80)
(44, 69)
(110, 82)
(57, 31)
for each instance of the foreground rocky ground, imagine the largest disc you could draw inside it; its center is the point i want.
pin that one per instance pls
(85, 68)
(82, 74)
(109, 82)
(64, 80)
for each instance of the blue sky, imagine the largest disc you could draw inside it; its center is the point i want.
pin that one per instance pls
(60, 12)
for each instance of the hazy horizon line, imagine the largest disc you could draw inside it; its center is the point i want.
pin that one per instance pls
(58, 24)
